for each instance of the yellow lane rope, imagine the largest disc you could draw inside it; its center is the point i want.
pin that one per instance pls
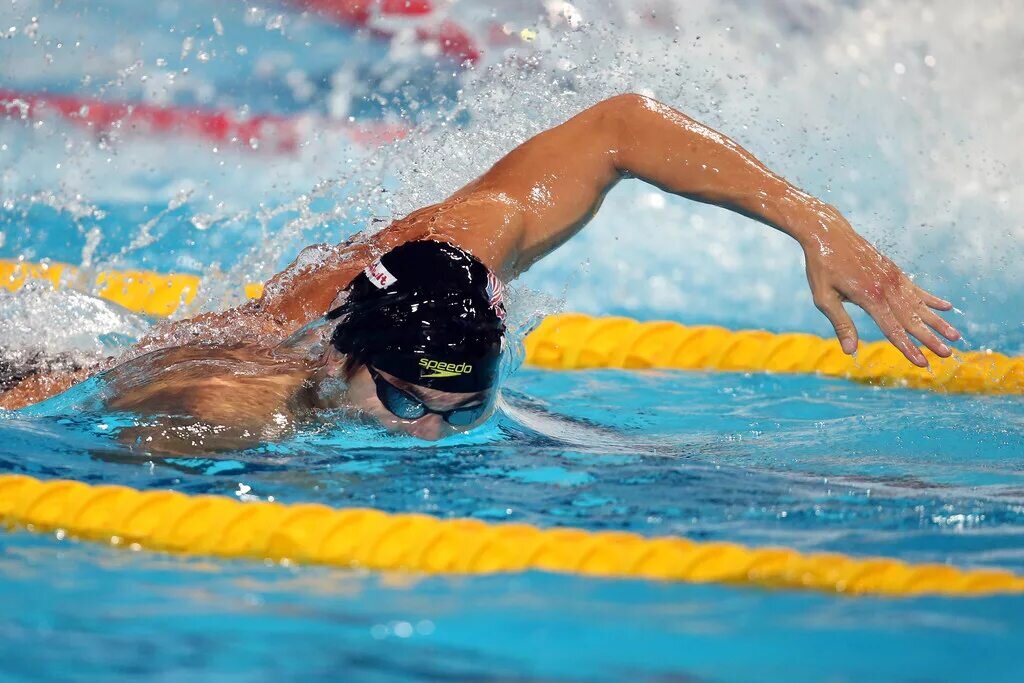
(574, 341)
(314, 534)
(141, 291)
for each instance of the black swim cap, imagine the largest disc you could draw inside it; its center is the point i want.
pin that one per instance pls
(428, 313)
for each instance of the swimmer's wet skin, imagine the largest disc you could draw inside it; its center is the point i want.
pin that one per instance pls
(405, 326)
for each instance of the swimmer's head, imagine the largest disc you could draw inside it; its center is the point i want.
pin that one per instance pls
(421, 333)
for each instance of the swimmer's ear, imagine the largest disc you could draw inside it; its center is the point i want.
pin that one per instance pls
(337, 365)
(334, 310)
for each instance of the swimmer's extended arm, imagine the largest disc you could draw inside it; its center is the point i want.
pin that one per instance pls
(559, 178)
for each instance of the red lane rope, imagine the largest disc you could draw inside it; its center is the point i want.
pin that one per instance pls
(360, 12)
(451, 39)
(264, 131)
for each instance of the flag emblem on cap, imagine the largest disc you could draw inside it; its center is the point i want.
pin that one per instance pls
(380, 276)
(496, 295)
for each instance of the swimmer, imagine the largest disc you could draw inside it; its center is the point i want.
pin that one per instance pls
(405, 326)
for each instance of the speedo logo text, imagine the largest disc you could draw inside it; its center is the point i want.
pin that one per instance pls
(436, 368)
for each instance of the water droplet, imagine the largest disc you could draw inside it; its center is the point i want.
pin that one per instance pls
(202, 221)
(254, 15)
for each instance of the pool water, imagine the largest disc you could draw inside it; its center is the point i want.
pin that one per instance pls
(170, 617)
(796, 461)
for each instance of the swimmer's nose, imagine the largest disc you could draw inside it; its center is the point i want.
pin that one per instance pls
(429, 428)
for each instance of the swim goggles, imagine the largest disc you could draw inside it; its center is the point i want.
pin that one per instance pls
(407, 407)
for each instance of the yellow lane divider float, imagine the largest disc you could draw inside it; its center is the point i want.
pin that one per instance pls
(314, 534)
(141, 291)
(574, 341)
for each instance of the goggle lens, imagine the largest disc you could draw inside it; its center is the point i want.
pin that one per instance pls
(399, 403)
(407, 407)
(460, 417)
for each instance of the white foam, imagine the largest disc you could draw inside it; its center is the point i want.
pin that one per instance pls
(39, 318)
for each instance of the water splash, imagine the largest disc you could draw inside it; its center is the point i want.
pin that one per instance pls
(875, 106)
(74, 322)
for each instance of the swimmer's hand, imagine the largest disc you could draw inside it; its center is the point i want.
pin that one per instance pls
(843, 266)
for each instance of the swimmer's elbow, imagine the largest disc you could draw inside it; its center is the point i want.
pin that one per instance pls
(627, 109)
(621, 119)
(629, 100)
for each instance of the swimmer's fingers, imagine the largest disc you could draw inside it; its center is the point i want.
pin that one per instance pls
(914, 324)
(896, 333)
(937, 323)
(831, 305)
(932, 301)
(921, 303)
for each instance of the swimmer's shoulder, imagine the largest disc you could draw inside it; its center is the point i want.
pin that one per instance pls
(485, 222)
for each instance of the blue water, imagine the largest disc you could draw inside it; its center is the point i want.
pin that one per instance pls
(802, 462)
(171, 618)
